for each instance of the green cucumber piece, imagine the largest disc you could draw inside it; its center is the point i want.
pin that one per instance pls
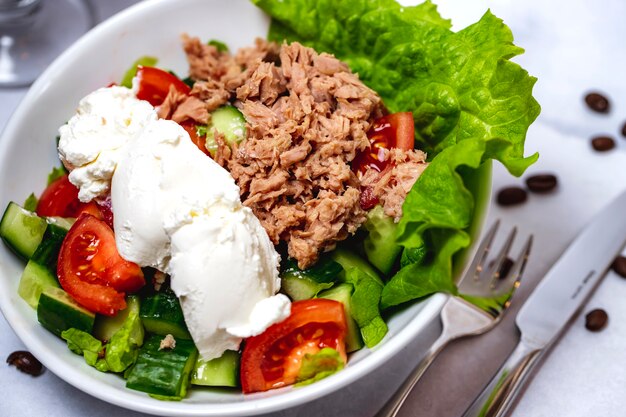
(228, 121)
(41, 269)
(302, 284)
(105, 326)
(164, 373)
(301, 288)
(161, 314)
(343, 294)
(57, 311)
(47, 253)
(34, 280)
(219, 372)
(380, 244)
(22, 230)
(348, 259)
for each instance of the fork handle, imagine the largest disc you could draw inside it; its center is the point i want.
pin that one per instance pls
(499, 395)
(391, 407)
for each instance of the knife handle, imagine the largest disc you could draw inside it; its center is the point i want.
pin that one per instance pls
(496, 399)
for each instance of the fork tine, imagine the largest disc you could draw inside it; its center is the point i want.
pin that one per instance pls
(512, 280)
(480, 257)
(494, 270)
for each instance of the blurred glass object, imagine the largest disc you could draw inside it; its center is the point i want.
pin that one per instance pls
(34, 32)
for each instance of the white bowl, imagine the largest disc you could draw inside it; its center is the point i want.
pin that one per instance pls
(27, 153)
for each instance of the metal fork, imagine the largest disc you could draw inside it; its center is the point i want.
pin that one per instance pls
(484, 298)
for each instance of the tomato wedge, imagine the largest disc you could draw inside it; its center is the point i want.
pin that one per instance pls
(391, 131)
(199, 141)
(273, 358)
(59, 199)
(92, 271)
(154, 84)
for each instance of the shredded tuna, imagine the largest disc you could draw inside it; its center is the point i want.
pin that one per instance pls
(307, 117)
(393, 184)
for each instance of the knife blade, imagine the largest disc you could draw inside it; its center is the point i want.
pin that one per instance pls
(553, 303)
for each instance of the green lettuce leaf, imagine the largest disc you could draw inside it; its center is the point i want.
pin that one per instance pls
(30, 203)
(122, 349)
(82, 343)
(364, 304)
(118, 354)
(56, 173)
(319, 365)
(470, 103)
(146, 61)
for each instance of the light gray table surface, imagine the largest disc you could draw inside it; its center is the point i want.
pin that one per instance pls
(572, 46)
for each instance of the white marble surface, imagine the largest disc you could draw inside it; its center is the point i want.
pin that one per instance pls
(572, 46)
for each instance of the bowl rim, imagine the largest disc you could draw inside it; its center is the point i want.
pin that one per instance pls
(126, 398)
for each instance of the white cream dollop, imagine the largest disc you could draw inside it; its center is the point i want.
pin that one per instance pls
(90, 143)
(180, 212)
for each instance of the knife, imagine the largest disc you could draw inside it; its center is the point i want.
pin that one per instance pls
(553, 303)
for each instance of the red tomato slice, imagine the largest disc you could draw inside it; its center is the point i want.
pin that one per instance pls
(199, 141)
(59, 199)
(92, 271)
(273, 358)
(391, 131)
(154, 84)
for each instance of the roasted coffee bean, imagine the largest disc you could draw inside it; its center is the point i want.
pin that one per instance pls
(624, 130)
(505, 268)
(597, 102)
(510, 196)
(25, 362)
(541, 183)
(596, 320)
(603, 143)
(619, 266)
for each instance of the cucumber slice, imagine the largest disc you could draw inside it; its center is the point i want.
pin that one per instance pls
(105, 327)
(161, 314)
(22, 230)
(163, 373)
(41, 269)
(380, 244)
(301, 288)
(228, 121)
(219, 372)
(57, 311)
(348, 259)
(343, 294)
(34, 280)
(302, 284)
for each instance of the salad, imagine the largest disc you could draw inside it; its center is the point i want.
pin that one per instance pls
(250, 224)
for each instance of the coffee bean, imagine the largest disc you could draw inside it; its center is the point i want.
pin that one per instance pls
(596, 320)
(541, 183)
(25, 362)
(505, 268)
(510, 196)
(597, 102)
(624, 130)
(619, 266)
(602, 143)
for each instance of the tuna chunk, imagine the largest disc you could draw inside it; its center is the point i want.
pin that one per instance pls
(307, 117)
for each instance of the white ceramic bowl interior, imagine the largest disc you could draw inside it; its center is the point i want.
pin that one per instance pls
(27, 154)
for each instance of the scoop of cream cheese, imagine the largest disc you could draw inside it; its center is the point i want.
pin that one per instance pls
(90, 143)
(180, 212)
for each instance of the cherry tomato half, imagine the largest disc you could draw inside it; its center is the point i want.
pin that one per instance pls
(59, 199)
(92, 271)
(154, 84)
(273, 358)
(391, 131)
